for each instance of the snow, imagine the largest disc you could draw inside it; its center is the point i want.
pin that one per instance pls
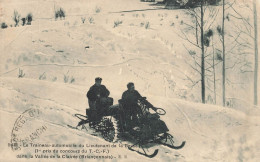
(152, 58)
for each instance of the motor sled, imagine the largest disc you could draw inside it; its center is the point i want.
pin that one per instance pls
(143, 130)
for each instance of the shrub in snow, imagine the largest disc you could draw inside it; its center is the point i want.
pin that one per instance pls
(42, 76)
(4, 25)
(83, 19)
(91, 20)
(116, 23)
(16, 18)
(147, 25)
(60, 14)
(54, 79)
(98, 10)
(21, 74)
(72, 80)
(23, 21)
(68, 79)
(29, 19)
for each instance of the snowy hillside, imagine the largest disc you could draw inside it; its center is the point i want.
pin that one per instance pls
(212, 133)
(50, 65)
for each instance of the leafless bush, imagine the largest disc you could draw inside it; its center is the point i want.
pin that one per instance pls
(147, 25)
(54, 79)
(60, 14)
(21, 73)
(98, 10)
(68, 79)
(42, 76)
(116, 23)
(4, 25)
(23, 21)
(29, 18)
(83, 19)
(72, 80)
(91, 20)
(16, 18)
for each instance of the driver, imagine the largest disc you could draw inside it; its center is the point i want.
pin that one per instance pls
(130, 102)
(131, 96)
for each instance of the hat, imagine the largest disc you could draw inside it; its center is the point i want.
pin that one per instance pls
(98, 79)
(130, 84)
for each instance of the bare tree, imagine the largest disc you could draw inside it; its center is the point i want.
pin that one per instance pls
(234, 51)
(256, 54)
(224, 57)
(201, 64)
(202, 53)
(243, 48)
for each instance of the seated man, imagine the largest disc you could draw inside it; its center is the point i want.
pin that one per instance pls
(137, 116)
(98, 98)
(130, 104)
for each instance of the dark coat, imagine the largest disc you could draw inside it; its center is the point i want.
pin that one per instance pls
(131, 98)
(94, 91)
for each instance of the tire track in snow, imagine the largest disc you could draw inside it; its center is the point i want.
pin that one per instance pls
(16, 37)
(44, 108)
(39, 98)
(189, 122)
(72, 66)
(78, 132)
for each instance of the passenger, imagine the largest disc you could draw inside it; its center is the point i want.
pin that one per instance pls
(98, 98)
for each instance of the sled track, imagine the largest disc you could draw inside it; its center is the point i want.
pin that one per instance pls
(189, 122)
(72, 65)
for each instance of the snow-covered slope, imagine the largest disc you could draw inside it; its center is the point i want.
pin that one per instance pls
(211, 133)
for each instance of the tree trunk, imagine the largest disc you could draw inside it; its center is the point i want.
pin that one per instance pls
(214, 72)
(202, 55)
(197, 40)
(223, 66)
(256, 54)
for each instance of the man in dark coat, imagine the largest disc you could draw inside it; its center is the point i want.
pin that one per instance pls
(148, 124)
(131, 96)
(130, 103)
(98, 97)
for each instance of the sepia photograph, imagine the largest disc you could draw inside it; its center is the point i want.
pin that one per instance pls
(129, 80)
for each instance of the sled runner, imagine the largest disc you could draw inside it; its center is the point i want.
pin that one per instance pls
(145, 129)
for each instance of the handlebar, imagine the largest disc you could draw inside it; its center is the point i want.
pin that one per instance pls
(159, 111)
